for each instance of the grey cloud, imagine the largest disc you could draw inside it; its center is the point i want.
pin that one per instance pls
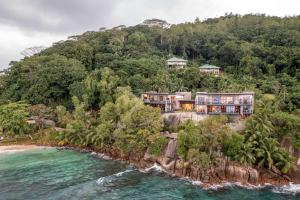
(59, 16)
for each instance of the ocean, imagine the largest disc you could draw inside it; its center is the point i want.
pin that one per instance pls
(53, 174)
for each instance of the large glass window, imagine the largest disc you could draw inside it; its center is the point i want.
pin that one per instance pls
(223, 99)
(229, 99)
(246, 109)
(216, 109)
(161, 98)
(216, 99)
(246, 99)
(201, 109)
(230, 109)
(201, 99)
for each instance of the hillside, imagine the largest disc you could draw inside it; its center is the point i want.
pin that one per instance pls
(89, 85)
(255, 51)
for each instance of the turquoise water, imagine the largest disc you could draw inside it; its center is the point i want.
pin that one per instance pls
(53, 174)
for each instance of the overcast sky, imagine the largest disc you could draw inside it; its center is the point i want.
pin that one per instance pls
(27, 23)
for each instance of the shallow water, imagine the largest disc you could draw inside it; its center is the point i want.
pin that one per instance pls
(53, 174)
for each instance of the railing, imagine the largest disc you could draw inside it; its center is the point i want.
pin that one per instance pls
(223, 113)
(223, 103)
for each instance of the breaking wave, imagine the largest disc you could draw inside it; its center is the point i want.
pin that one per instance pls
(101, 155)
(291, 189)
(111, 178)
(155, 167)
(190, 181)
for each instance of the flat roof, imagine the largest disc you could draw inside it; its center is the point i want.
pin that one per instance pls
(224, 93)
(159, 93)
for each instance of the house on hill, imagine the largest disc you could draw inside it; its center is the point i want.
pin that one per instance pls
(210, 69)
(225, 103)
(176, 63)
(169, 102)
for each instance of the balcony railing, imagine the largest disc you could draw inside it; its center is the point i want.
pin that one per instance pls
(158, 101)
(224, 103)
(223, 113)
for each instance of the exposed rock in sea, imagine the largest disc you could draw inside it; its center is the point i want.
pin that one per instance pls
(223, 171)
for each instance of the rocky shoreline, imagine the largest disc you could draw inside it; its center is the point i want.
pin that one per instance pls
(223, 172)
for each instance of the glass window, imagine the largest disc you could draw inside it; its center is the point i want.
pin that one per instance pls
(216, 109)
(230, 109)
(201, 99)
(216, 99)
(229, 99)
(161, 98)
(223, 99)
(201, 109)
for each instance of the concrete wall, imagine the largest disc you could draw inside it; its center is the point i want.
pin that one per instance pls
(183, 116)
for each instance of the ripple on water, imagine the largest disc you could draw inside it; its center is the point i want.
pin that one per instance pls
(66, 174)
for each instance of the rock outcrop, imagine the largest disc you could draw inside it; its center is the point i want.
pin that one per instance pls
(223, 171)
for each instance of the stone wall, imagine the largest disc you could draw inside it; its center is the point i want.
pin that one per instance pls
(179, 117)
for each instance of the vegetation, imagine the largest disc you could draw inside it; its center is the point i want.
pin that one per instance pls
(13, 119)
(92, 82)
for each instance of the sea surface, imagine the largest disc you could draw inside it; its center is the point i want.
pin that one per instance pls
(65, 174)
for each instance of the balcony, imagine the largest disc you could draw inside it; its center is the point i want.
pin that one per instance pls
(224, 103)
(147, 101)
(223, 113)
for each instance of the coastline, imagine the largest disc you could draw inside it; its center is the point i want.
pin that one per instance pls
(144, 165)
(18, 148)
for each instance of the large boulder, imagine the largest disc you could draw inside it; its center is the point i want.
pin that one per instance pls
(253, 175)
(171, 149)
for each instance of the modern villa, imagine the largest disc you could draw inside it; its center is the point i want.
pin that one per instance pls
(225, 103)
(169, 102)
(204, 103)
(176, 63)
(210, 69)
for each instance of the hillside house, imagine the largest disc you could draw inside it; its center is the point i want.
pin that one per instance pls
(169, 102)
(225, 103)
(210, 69)
(176, 63)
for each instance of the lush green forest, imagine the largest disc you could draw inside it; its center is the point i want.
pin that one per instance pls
(91, 83)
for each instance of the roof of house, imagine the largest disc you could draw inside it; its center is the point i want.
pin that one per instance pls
(225, 93)
(208, 66)
(174, 59)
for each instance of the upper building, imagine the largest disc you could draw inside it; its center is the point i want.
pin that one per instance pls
(156, 22)
(210, 69)
(176, 63)
(169, 102)
(225, 103)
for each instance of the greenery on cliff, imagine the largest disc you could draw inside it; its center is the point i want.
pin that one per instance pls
(90, 84)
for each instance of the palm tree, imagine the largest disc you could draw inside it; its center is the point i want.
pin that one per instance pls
(245, 155)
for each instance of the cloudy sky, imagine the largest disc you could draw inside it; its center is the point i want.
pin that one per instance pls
(27, 23)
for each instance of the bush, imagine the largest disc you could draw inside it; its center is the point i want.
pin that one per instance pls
(13, 118)
(232, 145)
(157, 147)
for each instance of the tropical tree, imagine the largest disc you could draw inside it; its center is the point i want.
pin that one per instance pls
(13, 119)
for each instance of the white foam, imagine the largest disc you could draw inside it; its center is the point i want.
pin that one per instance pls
(101, 155)
(291, 188)
(9, 151)
(193, 182)
(155, 167)
(226, 184)
(110, 178)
